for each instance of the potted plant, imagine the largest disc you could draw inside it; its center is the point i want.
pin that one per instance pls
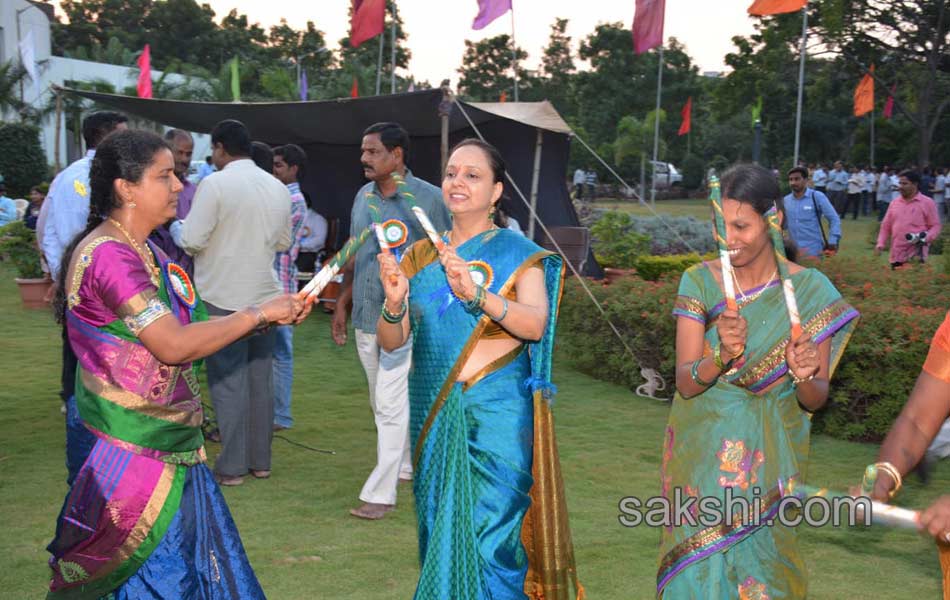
(18, 247)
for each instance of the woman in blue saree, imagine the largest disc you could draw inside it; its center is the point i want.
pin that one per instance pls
(489, 497)
(740, 422)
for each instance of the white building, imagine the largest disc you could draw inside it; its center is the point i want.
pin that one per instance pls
(19, 19)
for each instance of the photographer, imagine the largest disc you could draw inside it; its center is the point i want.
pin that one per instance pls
(911, 222)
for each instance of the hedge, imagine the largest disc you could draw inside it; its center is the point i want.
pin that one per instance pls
(22, 162)
(900, 310)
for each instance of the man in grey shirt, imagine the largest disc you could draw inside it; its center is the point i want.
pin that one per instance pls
(384, 149)
(239, 219)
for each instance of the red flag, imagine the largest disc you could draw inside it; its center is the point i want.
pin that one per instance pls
(648, 25)
(760, 8)
(355, 90)
(144, 87)
(889, 105)
(864, 95)
(503, 97)
(686, 114)
(368, 20)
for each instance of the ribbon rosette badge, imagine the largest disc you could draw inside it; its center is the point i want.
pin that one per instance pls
(481, 273)
(395, 232)
(181, 284)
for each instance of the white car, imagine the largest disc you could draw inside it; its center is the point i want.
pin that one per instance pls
(666, 175)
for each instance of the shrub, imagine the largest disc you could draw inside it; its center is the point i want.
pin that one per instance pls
(900, 311)
(619, 238)
(653, 268)
(615, 245)
(22, 162)
(676, 235)
(18, 245)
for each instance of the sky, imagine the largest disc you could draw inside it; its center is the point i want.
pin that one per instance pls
(438, 29)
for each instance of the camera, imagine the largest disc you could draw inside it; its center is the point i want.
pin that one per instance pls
(916, 238)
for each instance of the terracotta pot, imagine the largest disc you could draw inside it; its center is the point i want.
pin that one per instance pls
(33, 292)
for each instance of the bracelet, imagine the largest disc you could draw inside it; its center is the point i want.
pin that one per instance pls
(694, 373)
(394, 318)
(717, 359)
(799, 380)
(892, 471)
(477, 302)
(504, 311)
(258, 315)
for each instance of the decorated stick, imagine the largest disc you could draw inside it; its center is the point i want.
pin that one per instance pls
(384, 247)
(421, 216)
(775, 229)
(881, 512)
(333, 266)
(719, 232)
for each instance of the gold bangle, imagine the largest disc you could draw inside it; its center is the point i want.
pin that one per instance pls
(894, 474)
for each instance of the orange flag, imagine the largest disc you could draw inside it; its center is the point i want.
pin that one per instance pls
(355, 90)
(864, 95)
(760, 8)
(687, 114)
(503, 97)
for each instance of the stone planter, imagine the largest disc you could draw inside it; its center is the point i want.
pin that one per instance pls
(33, 292)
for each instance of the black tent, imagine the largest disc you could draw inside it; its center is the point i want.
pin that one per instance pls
(531, 137)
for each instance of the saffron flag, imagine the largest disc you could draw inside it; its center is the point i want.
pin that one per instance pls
(503, 97)
(648, 25)
(367, 21)
(144, 87)
(864, 95)
(687, 117)
(488, 11)
(355, 90)
(235, 81)
(760, 8)
(889, 105)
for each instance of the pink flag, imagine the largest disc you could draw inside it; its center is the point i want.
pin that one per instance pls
(889, 105)
(144, 87)
(488, 11)
(648, 25)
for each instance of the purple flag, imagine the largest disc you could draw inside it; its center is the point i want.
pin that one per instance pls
(488, 11)
(303, 85)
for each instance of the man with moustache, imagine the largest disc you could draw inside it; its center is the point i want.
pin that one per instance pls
(804, 210)
(385, 149)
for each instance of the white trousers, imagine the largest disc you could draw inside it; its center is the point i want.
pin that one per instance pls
(387, 374)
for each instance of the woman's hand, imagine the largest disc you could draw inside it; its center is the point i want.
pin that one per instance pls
(458, 275)
(803, 358)
(395, 284)
(285, 309)
(733, 330)
(936, 519)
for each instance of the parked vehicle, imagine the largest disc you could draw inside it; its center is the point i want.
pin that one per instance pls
(666, 174)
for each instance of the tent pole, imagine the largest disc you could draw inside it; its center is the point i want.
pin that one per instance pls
(59, 118)
(656, 126)
(379, 62)
(392, 82)
(445, 108)
(534, 184)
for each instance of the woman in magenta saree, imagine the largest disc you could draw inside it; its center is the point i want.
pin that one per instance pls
(144, 517)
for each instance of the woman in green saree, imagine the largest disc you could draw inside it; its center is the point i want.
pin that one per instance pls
(740, 422)
(489, 497)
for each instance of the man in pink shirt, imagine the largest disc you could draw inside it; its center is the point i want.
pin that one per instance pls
(910, 224)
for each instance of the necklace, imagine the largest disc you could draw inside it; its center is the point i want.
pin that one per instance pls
(145, 256)
(751, 298)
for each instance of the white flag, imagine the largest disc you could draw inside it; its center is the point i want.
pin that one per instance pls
(28, 60)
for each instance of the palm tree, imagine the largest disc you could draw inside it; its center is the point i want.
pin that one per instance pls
(11, 75)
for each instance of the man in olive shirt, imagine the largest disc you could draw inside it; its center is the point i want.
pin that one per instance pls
(239, 219)
(385, 148)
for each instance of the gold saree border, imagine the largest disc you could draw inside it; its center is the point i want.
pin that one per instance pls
(138, 404)
(467, 349)
(502, 361)
(83, 262)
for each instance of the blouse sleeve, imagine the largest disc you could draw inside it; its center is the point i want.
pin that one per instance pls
(689, 299)
(938, 359)
(117, 281)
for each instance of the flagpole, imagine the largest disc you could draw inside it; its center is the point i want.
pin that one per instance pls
(392, 83)
(801, 84)
(872, 137)
(514, 51)
(379, 61)
(656, 126)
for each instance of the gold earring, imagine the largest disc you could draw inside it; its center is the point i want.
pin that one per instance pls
(491, 214)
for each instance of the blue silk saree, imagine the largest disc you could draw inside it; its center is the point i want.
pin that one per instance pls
(489, 497)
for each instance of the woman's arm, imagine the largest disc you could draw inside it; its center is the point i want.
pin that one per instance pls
(809, 361)
(393, 332)
(694, 373)
(527, 316)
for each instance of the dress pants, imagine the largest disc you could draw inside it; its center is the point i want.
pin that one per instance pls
(387, 374)
(241, 380)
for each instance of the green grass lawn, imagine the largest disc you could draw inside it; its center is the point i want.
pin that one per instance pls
(304, 545)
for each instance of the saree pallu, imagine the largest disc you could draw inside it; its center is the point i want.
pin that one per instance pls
(489, 496)
(144, 517)
(737, 436)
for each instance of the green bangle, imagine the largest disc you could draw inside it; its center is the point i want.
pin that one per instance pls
(394, 318)
(717, 359)
(477, 302)
(694, 373)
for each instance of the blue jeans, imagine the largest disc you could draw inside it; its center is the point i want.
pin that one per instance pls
(283, 375)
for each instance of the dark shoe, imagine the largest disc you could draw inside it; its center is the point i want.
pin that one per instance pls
(372, 511)
(279, 427)
(260, 474)
(229, 481)
(214, 436)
